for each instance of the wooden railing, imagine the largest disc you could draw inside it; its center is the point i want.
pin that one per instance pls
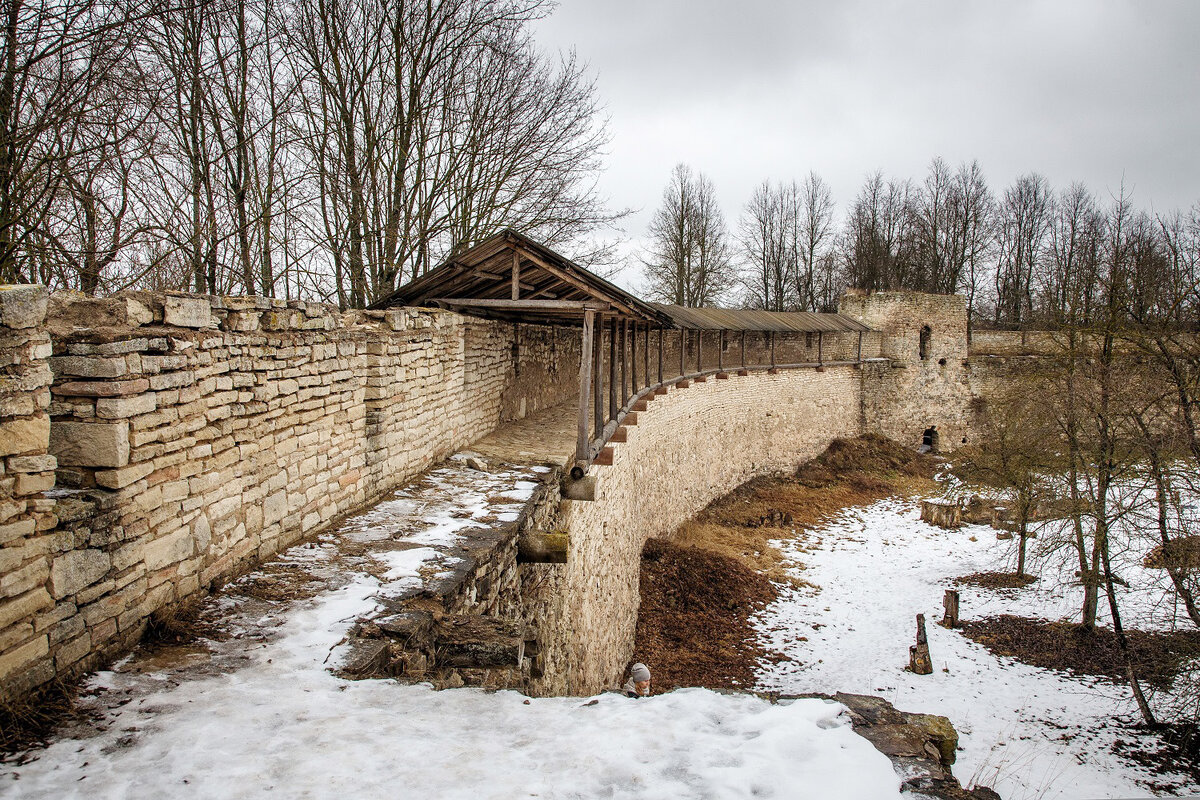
(602, 413)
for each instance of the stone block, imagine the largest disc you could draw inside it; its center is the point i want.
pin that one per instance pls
(101, 388)
(125, 407)
(21, 657)
(26, 605)
(73, 651)
(89, 366)
(27, 435)
(11, 637)
(22, 306)
(90, 444)
(274, 507)
(15, 530)
(201, 533)
(125, 476)
(169, 549)
(22, 580)
(32, 463)
(136, 313)
(77, 569)
(30, 483)
(188, 312)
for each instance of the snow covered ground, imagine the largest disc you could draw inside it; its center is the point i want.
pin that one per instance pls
(1027, 732)
(259, 714)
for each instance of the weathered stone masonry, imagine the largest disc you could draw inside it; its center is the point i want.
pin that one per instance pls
(195, 436)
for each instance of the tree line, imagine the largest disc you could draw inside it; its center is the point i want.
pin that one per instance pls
(327, 149)
(1027, 257)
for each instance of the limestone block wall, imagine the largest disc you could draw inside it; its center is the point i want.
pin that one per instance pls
(1011, 343)
(26, 473)
(915, 392)
(194, 436)
(690, 447)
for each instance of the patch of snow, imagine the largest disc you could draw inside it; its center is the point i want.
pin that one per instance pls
(1029, 733)
(283, 724)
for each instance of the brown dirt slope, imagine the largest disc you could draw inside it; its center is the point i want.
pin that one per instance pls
(1065, 646)
(699, 590)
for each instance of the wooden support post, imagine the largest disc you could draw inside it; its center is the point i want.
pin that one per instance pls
(743, 349)
(583, 441)
(624, 362)
(919, 661)
(772, 335)
(633, 360)
(516, 275)
(661, 332)
(646, 356)
(598, 379)
(820, 347)
(859, 356)
(612, 371)
(699, 350)
(950, 603)
(682, 348)
(721, 351)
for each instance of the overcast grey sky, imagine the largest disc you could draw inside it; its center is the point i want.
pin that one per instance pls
(1088, 90)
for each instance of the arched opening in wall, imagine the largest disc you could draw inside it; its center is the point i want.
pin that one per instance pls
(926, 334)
(929, 439)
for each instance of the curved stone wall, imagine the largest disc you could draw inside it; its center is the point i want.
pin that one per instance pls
(690, 447)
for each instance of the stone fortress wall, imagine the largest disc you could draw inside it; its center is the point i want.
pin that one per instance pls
(190, 437)
(688, 448)
(195, 436)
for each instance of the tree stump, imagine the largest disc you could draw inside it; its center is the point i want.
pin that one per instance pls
(950, 603)
(943, 515)
(919, 661)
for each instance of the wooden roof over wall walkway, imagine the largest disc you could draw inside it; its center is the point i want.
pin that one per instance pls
(513, 278)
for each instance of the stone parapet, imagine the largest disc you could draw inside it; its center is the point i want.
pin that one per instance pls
(28, 610)
(690, 446)
(194, 436)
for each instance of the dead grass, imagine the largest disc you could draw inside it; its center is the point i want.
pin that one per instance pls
(29, 720)
(851, 472)
(279, 582)
(996, 580)
(178, 624)
(699, 590)
(1158, 656)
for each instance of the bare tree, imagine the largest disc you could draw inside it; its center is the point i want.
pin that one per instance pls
(1023, 222)
(877, 244)
(688, 261)
(815, 280)
(768, 230)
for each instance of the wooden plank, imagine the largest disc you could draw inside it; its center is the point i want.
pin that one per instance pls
(721, 351)
(612, 371)
(660, 354)
(633, 362)
(566, 277)
(516, 278)
(859, 358)
(772, 335)
(820, 348)
(682, 347)
(646, 356)
(624, 362)
(598, 375)
(700, 351)
(518, 305)
(743, 351)
(585, 386)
